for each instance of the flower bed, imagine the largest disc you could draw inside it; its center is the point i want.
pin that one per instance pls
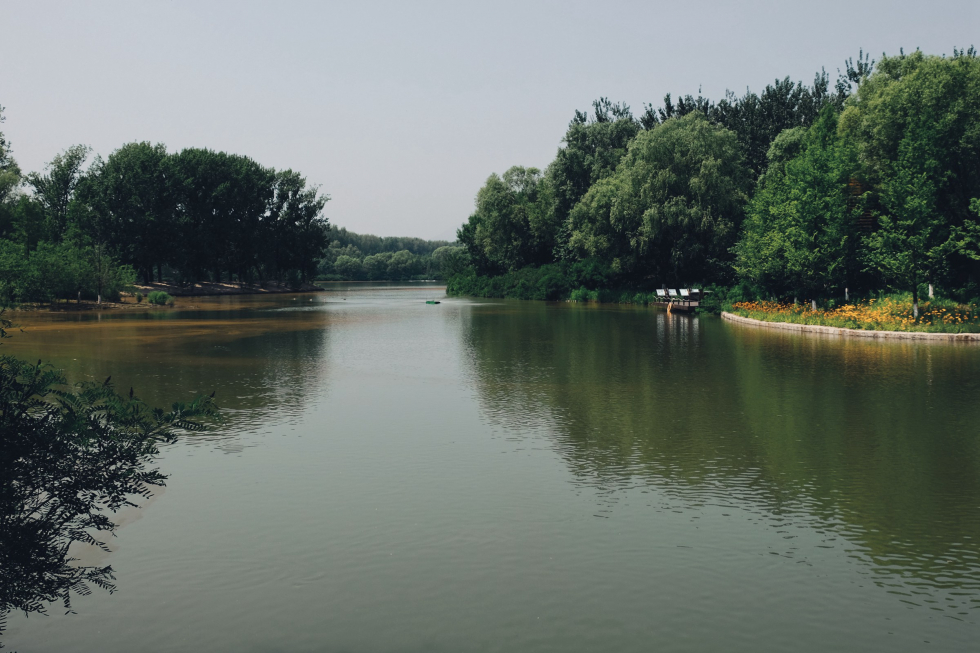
(887, 314)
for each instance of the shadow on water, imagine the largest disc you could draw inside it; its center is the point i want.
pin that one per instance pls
(872, 445)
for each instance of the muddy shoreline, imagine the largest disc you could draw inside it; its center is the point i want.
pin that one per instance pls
(197, 290)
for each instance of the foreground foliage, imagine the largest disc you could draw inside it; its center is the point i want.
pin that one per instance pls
(70, 456)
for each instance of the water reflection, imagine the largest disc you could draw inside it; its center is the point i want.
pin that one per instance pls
(258, 359)
(873, 446)
(264, 366)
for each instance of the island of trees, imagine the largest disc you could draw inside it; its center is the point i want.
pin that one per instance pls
(818, 192)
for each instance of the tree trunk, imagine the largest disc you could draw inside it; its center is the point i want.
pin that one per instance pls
(931, 294)
(915, 303)
(847, 296)
(813, 305)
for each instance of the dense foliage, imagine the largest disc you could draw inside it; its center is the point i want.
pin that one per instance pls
(197, 214)
(673, 206)
(801, 192)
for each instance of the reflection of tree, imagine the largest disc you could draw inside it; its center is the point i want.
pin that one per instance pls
(69, 458)
(873, 441)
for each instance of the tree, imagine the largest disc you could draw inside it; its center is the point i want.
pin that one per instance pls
(916, 120)
(367, 244)
(512, 225)
(376, 265)
(672, 209)
(296, 231)
(914, 240)
(402, 265)
(450, 260)
(757, 119)
(9, 170)
(56, 189)
(132, 196)
(25, 222)
(800, 234)
(348, 267)
(592, 149)
(221, 203)
(109, 277)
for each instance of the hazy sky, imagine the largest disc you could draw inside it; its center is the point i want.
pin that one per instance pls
(401, 110)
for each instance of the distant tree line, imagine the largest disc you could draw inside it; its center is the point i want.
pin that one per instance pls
(352, 256)
(812, 191)
(141, 213)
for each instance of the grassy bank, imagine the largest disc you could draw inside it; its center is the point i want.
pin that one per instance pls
(890, 313)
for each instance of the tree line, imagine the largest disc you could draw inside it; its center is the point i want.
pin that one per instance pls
(352, 256)
(812, 191)
(194, 215)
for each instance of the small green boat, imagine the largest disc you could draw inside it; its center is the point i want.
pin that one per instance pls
(431, 301)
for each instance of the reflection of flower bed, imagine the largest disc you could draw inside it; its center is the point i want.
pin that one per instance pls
(888, 314)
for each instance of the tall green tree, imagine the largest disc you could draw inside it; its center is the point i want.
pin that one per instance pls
(56, 189)
(10, 176)
(348, 267)
(916, 119)
(222, 200)
(801, 234)
(296, 231)
(512, 226)
(673, 208)
(592, 148)
(132, 196)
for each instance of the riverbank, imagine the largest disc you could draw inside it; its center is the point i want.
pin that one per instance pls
(208, 288)
(127, 300)
(852, 333)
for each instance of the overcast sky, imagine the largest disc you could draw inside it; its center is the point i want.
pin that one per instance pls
(400, 110)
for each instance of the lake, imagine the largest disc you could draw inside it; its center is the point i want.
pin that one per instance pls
(486, 475)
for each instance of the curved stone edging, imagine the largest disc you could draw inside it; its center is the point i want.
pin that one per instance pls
(853, 333)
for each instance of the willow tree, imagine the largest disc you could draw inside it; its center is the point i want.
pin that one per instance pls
(673, 208)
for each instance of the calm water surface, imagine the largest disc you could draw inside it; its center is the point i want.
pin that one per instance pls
(521, 476)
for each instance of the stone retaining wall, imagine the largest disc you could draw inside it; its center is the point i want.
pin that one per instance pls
(853, 333)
